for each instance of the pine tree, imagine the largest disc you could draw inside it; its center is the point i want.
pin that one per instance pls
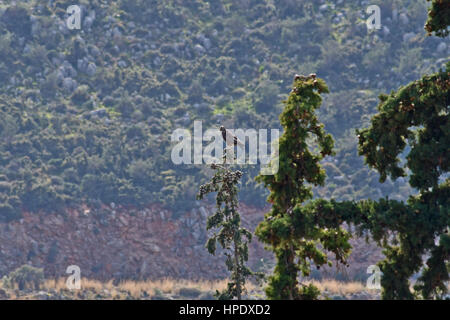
(226, 222)
(416, 115)
(297, 238)
(438, 18)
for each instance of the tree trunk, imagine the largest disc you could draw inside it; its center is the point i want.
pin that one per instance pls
(238, 276)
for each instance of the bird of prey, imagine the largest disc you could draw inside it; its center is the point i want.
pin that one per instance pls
(302, 77)
(230, 139)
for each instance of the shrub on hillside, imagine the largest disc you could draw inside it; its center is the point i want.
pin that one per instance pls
(24, 277)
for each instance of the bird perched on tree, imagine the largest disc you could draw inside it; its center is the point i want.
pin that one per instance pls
(230, 139)
(300, 77)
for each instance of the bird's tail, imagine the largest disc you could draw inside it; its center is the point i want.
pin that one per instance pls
(240, 144)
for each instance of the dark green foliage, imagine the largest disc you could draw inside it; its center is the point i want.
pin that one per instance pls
(24, 277)
(298, 237)
(422, 104)
(149, 75)
(417, 116)
(433, 280)
(438, 17)
(17, 20)
(415, 226)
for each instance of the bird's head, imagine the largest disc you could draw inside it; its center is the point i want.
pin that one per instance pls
(222, 128)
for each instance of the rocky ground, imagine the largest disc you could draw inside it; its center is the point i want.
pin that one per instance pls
(112, 242)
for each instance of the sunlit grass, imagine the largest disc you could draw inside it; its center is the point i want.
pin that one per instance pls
(136, 289)
(95, 289)
(339, 287)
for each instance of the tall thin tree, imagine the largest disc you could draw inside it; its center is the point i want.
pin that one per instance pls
(226, 223)
(297, 239)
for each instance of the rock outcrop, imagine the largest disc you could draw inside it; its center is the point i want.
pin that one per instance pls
(112, 242)
(117, 243)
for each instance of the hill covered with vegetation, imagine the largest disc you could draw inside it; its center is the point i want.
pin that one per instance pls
(86, 115)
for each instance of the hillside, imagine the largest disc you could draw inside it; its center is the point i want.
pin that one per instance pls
(86, 118)
(86, 115)
(150, 243)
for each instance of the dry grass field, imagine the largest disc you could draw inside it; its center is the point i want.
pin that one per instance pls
(170, 289)
(179, 289)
